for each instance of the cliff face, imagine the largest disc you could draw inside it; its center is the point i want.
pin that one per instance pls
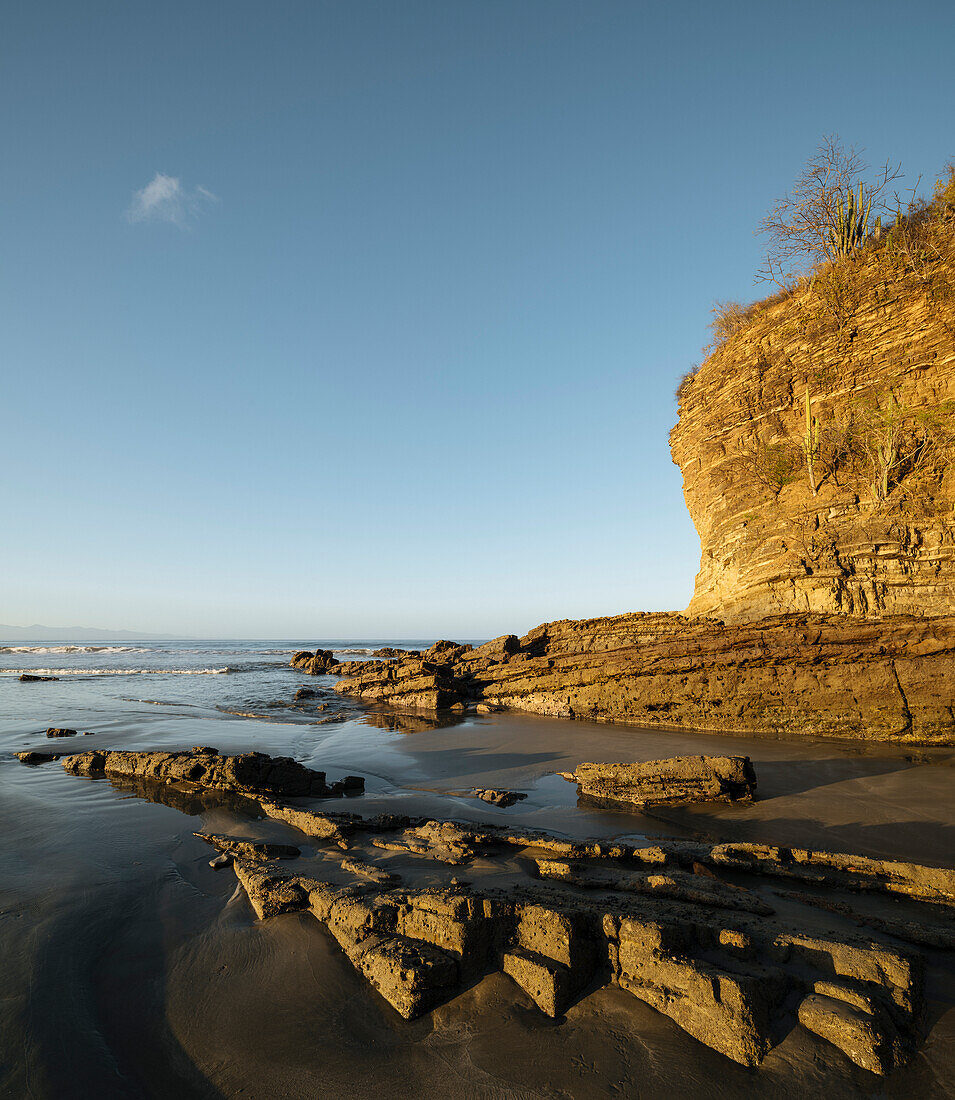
(871, 343)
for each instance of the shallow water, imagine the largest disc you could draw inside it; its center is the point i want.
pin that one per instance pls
(130, 968)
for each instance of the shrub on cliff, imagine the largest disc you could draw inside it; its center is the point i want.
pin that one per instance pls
(826, 216)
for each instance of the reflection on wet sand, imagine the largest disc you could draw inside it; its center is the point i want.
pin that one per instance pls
(398, 722)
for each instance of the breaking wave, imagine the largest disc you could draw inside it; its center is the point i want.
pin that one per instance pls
(121, 671)
(71, 649)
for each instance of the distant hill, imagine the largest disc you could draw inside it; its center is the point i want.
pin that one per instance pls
(37, 633)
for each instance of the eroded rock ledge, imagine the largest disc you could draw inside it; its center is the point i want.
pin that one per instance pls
(791, 675)
(668, 782)
(247, 773)
(694, 929)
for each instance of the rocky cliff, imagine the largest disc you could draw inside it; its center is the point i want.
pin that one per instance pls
(848, 509)
(817, 444)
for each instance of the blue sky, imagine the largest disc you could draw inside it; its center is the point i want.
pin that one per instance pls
(353, 319)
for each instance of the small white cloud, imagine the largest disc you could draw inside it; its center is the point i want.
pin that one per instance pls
(164, 199)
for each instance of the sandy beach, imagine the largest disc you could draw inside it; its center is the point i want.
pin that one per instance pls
(134, 969)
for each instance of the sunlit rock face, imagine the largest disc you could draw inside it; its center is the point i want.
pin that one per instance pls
(883, 350)
(793, 675)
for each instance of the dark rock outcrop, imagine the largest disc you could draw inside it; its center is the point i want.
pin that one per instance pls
(315, 664)
(792, 675)
(499, 798)
(32, 757)
(60, 731)
(247, 773)
(668, 782)
(30, 678)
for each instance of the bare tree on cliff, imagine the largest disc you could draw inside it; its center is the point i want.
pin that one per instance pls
(826, 214)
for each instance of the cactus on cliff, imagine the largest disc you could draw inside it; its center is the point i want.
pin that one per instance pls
(851, 223)
(810, 442)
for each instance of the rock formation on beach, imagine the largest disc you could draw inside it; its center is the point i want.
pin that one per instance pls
(315, 664)
(246, 773)
(791, 675)
(668, 782)
(734, 942)
(817, 446)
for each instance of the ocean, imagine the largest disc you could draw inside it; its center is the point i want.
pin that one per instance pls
(99, 682)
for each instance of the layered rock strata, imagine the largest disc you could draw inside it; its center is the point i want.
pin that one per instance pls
(872, 347)
(668, 782)
(792, 675)
(690, 928)
(704, 952)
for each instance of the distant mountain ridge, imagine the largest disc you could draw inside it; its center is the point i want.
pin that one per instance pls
(37, 633)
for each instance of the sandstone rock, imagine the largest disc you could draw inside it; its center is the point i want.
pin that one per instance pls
(640, 917)
(369, 871)
(304, 693)
(389, 651)
(255, 851)
(30, 678)
(838, 550)
(412, 976)
(545, 981)
(445, 651)
(250, 772)
(271, 891)
(668, 782)
(315, 664)
(864, 1033)
(499, 798)
(851, 872)
(409, 682)
(55, 731)
(726, 1009)
(33, 757)
(694, 889)
(333, 827)
(792, 675)
(446, 841)
(331, 719)
(504, 646)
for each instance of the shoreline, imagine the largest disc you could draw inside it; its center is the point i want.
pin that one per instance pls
(108, 899)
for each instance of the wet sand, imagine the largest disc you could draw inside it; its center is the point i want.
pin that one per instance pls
(133, 969)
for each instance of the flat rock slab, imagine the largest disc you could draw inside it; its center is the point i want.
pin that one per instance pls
(255, 850)
(668, 782)
(499, 798)
(56, 731)
(32, 757)
(29, 678)
(246, 773)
